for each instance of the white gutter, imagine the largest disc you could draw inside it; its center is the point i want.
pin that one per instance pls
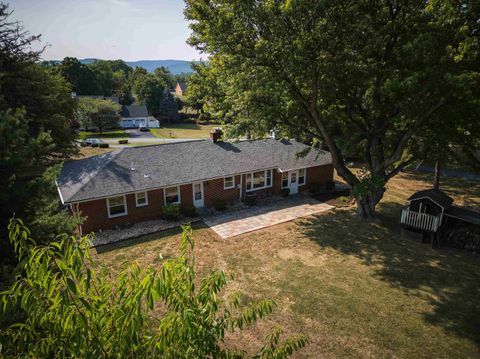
(59, 192)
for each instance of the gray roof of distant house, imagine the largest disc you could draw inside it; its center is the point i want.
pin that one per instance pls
(134, 111)
(177, 163)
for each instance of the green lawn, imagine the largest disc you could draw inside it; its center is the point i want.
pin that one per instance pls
(357, 289)
(106, 134)
(183, 130)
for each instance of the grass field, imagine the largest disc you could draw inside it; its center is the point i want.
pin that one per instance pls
(183, 130)
(91, 151)
(357, 289)
(106, 134)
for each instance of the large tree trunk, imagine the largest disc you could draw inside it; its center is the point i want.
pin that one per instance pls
(366, 204)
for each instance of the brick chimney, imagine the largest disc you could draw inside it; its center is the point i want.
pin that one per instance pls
(216, 134)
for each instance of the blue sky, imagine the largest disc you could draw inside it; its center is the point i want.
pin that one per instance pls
(108, 29)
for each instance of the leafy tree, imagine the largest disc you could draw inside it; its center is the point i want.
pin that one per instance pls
(69, 309)
(124, 94)
(111, 76)
(99, 113)
(35, 133)
(368, 80)
(80, 76)
(168, 108)
(181, 102)
(149, 90)
(138, 72)
(106, 116)
(203, 88)
(165, 76)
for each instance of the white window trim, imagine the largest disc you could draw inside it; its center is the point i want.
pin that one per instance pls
(288, 180)
(146, 199)
(118, 214)
(201, 191)
(233, 182)
(165, 195)
(251, 180)
(304, 177)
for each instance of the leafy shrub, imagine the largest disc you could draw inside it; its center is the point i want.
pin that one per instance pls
(69, 308)
(189, 210)
(220, 205)
(203, 119)
(250, 199)
(122, 142)
(104, 145)
(172, 212)
(285, 192)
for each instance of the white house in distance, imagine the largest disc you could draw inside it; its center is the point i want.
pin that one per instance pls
(135, 115)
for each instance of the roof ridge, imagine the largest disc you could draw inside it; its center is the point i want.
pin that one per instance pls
(111, 155)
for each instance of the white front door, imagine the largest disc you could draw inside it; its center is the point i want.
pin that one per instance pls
(198, 194)
(293, 182)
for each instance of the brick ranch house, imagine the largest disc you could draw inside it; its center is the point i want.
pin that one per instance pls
(133, 184)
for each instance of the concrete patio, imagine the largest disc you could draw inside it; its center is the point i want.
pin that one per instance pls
(257, 217)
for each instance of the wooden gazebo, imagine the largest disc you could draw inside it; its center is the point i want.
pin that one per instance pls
(431, 210)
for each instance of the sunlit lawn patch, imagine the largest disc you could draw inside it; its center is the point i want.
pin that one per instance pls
(357, 289)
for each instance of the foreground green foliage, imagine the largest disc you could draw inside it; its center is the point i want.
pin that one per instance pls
(67, 309)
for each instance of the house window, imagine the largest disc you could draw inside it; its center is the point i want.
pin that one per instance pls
(228, 182)
(301, 176)
(116, 206)
(141, 199)
(258, 180)
(284, 179)
(172, 195)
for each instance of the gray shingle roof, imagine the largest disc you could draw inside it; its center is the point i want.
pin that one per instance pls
(134, 111)
(177, 163)
(435, 194)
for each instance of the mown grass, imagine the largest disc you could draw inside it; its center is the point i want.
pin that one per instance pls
(91, 151)
(182, 130)
(106, 134)
(357, 289)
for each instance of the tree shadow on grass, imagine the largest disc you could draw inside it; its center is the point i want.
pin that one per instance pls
(449, 281)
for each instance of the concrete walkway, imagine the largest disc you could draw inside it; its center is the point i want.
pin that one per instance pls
(246, 220)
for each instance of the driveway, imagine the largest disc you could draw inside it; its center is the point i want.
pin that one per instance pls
(247, 220)
(136, 133)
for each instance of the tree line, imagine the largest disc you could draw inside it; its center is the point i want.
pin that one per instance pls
(114, 78)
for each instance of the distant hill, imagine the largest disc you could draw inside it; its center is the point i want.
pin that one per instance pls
(175, 66)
